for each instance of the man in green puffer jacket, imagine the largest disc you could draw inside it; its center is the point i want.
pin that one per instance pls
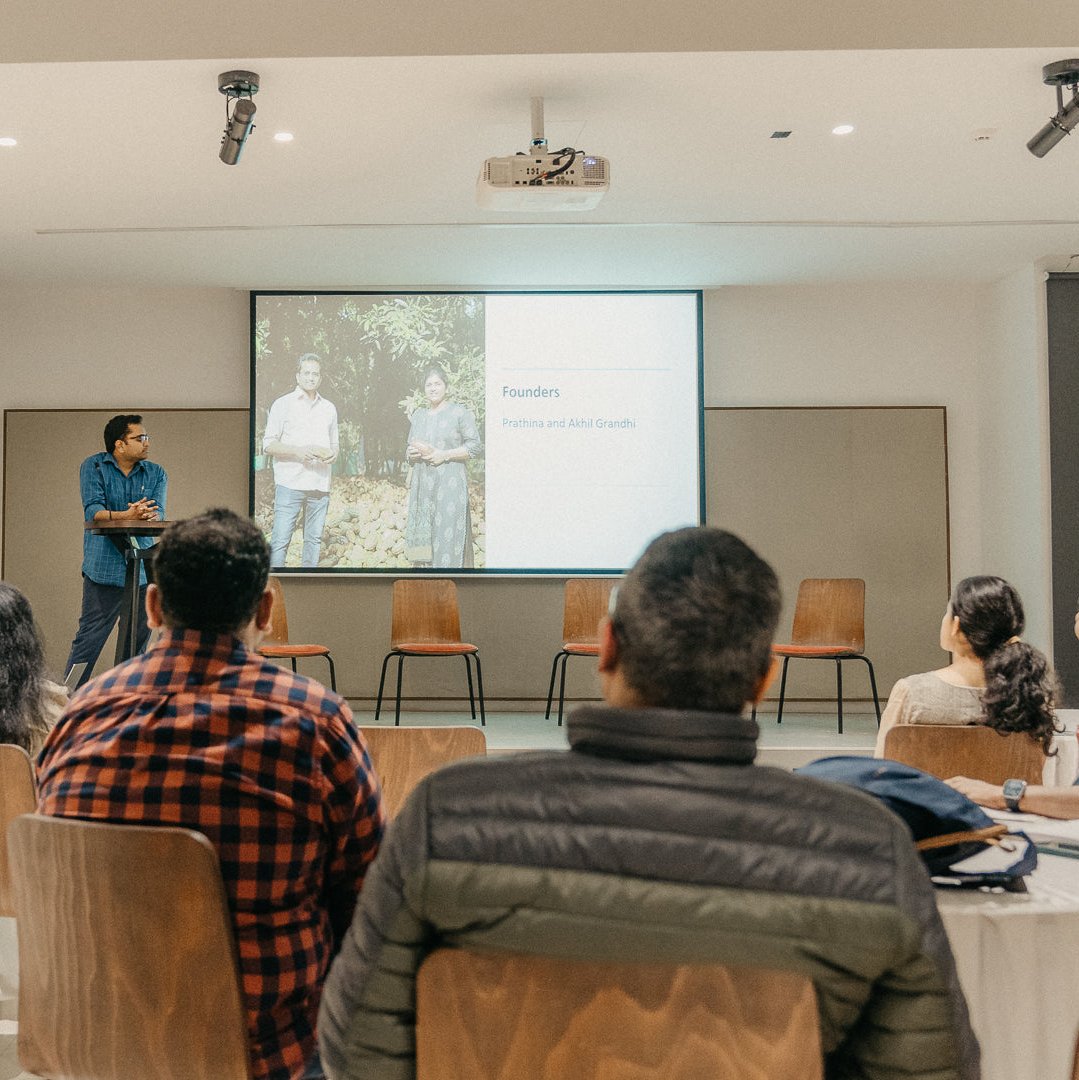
(656, 838)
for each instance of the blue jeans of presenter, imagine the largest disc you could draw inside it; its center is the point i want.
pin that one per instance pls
(287, 507)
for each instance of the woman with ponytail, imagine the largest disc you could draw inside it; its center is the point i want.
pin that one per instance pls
(29, 703)
(995, 678)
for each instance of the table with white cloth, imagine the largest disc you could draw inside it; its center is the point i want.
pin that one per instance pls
(1017, 955)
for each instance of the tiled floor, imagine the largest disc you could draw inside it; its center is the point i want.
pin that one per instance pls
(800, 738)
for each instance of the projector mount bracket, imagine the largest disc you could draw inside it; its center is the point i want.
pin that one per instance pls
(1062, 73)
(237, 84)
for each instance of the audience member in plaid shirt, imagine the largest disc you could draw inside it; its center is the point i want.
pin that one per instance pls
(202, 732)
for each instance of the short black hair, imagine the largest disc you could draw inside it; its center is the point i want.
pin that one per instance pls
(306, 358)
(211, 571)
(695, 619)
(117, 427)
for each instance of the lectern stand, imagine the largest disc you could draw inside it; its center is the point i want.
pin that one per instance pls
(122, 534)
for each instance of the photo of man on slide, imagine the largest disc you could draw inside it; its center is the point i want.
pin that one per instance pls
(301, 437)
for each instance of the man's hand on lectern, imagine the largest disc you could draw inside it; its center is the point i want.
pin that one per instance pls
(143, 510)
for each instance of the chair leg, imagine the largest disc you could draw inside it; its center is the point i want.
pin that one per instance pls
(400, 669)
(550, 689)
(333, 674)
(381, 684)
(293, 659)
(782, 690)
(562, 688)
(839, 691)
(471, 695)
(873, 685)
(479, 687)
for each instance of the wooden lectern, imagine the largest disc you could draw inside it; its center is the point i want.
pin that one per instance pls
(122, 534)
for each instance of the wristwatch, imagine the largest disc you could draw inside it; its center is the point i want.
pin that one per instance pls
(1014, 790)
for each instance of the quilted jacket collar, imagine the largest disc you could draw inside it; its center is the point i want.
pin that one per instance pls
(663, 735)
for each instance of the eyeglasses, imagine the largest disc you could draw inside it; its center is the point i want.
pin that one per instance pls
(143, 438)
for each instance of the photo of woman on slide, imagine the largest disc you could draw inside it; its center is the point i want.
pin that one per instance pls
(442, 438)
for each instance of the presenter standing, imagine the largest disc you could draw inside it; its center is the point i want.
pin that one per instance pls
(301, 436)
(119, 484)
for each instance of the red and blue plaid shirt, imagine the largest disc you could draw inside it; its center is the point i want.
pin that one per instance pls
(202, 733)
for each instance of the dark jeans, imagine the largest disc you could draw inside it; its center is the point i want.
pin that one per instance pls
(101, 606)
(314, 1069)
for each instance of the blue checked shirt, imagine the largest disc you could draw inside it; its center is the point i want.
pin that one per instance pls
(104, 487)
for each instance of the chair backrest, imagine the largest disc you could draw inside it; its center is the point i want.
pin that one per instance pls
(425, 610)
(278, 632)
(127, 961)
(490, 1016)
(403, 756)
(18, 795)
(977, 751)
(585, 605)
(830, 611)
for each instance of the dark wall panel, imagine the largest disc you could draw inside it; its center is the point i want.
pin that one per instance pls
(1062, 302)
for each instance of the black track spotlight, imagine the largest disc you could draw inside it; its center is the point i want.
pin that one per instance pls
(1060, 74)
(238, 87)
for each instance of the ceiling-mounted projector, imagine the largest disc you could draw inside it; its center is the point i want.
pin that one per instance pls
(539, 179)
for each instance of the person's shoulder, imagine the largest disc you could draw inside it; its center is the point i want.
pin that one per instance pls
(306, 697)
(95, 460)
(284, 399)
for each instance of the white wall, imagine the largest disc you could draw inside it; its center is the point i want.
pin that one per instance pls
(860, 345)
(1014, 410)
(122, 349)
(976, 349)
(979, 350)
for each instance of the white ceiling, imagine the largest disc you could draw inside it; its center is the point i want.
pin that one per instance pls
(116, 177)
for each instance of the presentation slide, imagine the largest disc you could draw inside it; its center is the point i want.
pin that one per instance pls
(463, 432)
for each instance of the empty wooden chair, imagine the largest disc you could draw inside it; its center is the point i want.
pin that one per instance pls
(978, 752)
(127, 961)
(276, 645)
(403, 756)
(18, 795)
(426, 622)
(585, 604)
(829, 624)
(497, 1016)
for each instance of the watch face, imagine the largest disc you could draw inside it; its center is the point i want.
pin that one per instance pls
(1013, 792)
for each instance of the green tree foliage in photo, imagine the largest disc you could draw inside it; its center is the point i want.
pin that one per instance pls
(374, 352)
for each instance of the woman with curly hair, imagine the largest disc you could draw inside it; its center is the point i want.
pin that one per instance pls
(29, 703)
(995, 678)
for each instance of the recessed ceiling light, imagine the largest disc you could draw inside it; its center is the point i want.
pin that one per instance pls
(283, 136)
(7, 140)
(843, 129)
